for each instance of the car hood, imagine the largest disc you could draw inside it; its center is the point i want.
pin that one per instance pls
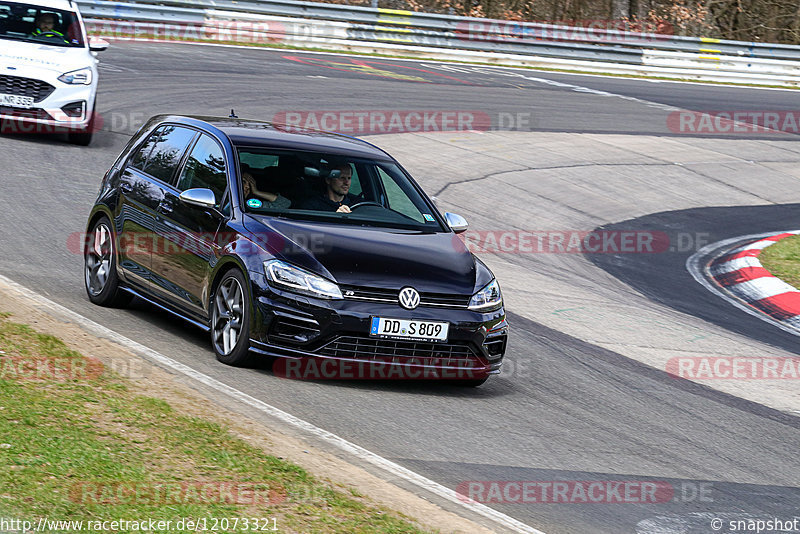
(375, 257)
(28, 56)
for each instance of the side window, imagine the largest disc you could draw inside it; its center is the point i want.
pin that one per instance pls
(169, 143)
(205, 168)
(398, 200)
(139, 160)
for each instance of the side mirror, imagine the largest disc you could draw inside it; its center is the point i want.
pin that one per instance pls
(201, 198)
(97, 45)
(456, 222)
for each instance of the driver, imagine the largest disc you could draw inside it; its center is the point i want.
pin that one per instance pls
(45, 26)
(336, 196)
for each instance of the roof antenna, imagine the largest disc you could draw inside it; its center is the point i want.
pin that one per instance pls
(233, 115)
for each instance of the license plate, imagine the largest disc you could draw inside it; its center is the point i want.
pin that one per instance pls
(16, 101)
(408, 329)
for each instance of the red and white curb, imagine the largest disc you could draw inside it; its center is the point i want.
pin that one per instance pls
(737, 273)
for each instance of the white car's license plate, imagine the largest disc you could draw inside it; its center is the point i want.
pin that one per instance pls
(408, 329)
(16, 101)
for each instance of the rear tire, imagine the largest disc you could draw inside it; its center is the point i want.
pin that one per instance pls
(100, 267)
(81, 137)
(230, 319)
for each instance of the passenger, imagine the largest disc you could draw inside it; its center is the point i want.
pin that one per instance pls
(269, 200)
(336, 196)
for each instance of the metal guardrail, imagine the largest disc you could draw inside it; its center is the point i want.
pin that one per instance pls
(350, 26)
(488, 31)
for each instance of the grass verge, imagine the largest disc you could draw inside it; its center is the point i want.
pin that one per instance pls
(77, 443)
(783, 260)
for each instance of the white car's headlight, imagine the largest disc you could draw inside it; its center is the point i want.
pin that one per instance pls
(299, 280)
(77, 77)
(487, 298)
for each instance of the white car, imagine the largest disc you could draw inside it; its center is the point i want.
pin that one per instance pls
(48, 69)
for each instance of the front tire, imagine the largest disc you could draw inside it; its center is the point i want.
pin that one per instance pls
(100, 267)
(230, 319)
(84, 137)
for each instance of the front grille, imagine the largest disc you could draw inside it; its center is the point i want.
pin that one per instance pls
(16, 85)
(394, 351)
(441, 299)
(391, 295)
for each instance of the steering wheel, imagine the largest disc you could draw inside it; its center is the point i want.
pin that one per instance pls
(50, 35)
(365, 203)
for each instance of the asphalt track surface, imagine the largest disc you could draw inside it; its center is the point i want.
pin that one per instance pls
(581, 412)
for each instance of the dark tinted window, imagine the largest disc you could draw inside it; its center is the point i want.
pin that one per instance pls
(139, 160)
(170, 143)
(205, 168)
(53, 27)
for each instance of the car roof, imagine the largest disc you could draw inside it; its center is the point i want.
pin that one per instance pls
(255, 133)
(63, 5)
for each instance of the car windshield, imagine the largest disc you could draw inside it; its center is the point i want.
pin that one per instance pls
(43, 25)
(333, 188)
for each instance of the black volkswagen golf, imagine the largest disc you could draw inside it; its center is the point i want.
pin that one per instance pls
(312, 247)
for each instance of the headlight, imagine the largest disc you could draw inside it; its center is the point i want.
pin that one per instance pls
(487, 298)
(298, 280)
(77, 77)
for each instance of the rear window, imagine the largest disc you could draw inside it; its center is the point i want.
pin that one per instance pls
(42, 25)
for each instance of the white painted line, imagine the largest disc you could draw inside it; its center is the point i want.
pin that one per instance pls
(351, 448)
(735, 265)
(696, 266)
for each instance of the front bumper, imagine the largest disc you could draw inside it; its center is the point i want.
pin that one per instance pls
(66, 108)
(336, 333)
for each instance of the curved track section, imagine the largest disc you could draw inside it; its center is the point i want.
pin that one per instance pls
(585, 396)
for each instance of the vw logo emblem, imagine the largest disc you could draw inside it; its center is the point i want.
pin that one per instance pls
(409, 298)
